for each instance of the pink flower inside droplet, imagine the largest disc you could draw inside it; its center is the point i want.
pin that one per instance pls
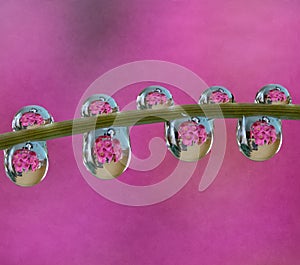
(263, 133)
(100, 107)
(30, 119)
(107, 149)
(192, 133)
(218, 97)
(24, 160)
(276, 95)
(156, 98)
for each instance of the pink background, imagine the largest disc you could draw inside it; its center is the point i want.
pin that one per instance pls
(51, 51)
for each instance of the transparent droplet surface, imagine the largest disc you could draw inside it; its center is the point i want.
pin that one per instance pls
(189, 139)
(106, 151)
(107, 155)
(30, 117)
(259, 137)
(273, 94)
(216, 95)
(154, 97)
(99, 104)
(26, 164)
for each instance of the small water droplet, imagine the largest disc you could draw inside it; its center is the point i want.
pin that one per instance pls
(99, 104)
(30, 117)
(273, 94)
(154, 97)
(216, 95)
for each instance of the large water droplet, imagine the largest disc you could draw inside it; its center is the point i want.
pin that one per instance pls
(26, 164)
(259, 137)
(190, 138)
(106, 151)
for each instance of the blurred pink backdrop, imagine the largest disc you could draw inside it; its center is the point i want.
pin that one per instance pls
(51, 51)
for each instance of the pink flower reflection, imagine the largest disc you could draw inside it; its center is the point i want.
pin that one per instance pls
(263, 133)
(107, 150)
(100, 107)
(218, 97)
(192, 133)
(24, 160)
(30, 119)
(276, 95)
(156, 98)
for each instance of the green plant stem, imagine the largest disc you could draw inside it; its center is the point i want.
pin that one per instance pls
(138, 117)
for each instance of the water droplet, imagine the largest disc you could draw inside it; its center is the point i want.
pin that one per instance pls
(154, 97)
(26, 167)
(106, 151)
(99, 104)
(30, 117)
(273, 94)
(190, 138)
(259, 137)
(216, 95)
